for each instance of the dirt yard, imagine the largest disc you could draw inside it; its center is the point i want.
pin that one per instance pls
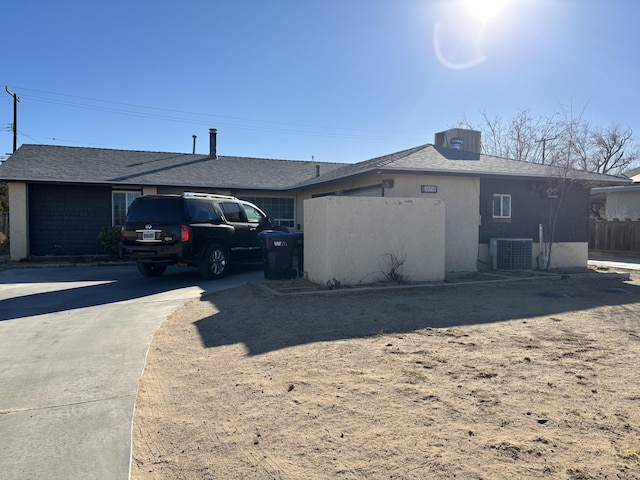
(520, 380)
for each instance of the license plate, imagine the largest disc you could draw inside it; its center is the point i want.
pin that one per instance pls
(148, 235)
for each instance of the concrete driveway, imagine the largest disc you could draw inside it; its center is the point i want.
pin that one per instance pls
(73, 343)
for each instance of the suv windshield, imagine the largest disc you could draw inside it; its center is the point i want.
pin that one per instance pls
(154, 209)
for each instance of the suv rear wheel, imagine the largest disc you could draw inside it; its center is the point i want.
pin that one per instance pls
(149, 270)
(215, 262)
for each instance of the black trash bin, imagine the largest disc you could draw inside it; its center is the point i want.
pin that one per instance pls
(277, 254)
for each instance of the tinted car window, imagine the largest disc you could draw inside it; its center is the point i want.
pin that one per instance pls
(156, 209)
(201, 211)
(233, 212)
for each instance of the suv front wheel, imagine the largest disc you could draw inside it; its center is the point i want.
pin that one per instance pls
(215, 262)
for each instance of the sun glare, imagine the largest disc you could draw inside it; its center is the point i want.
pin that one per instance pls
(485, 9)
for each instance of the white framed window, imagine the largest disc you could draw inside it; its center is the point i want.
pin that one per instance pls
(120, 202)
(501, 205)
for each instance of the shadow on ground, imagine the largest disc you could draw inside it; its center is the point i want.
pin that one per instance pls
(72, 288)
(264, 322)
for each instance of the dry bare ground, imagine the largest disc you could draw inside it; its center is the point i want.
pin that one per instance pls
(520, 380)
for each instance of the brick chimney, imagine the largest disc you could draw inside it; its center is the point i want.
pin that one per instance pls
(213, 132)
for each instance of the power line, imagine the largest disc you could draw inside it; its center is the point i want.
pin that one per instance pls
(337, 132)
(36, 138)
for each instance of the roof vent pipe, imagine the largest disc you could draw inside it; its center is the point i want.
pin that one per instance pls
(194, 143)
(213, 132)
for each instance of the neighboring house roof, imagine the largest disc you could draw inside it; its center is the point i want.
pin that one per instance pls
(433, 159)
(634, 187)
(633, 174)
(44, 163)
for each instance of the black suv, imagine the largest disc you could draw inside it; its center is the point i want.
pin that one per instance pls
(195, 229)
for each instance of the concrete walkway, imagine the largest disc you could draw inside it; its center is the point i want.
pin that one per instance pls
(614, 262)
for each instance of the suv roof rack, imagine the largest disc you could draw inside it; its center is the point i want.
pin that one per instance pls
(207, 195)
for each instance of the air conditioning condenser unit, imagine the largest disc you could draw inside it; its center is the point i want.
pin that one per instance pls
(511, 253)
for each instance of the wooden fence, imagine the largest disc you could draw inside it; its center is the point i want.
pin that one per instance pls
(614, 236)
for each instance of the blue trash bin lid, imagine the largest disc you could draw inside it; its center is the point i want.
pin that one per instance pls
(275, 233)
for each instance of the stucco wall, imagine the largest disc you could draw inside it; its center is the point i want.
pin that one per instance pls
(460, 194)
(350, 238)
(18, 206)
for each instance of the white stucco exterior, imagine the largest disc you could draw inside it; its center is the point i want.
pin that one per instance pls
(460, 194)
(462, 197)
(350, 239)
(18, 203)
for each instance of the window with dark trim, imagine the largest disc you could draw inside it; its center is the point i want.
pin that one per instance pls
(120, 202)
(501, 205)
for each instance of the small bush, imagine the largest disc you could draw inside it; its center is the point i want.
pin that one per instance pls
(109, 239)
(4, 243)
(394, 268)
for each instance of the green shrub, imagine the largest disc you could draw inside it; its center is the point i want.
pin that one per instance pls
(109, 239)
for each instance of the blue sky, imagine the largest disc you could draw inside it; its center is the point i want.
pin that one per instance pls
(336, 80)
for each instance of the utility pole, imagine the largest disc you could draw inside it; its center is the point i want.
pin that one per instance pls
(16, 99)
(544, 146)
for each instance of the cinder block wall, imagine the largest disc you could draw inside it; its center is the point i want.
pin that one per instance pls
(352, 239)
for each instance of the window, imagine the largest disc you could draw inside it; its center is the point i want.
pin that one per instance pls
(120, 205)
(253, 214)
(501, 205)
(233, 212)
(201, 211)
(280, 209)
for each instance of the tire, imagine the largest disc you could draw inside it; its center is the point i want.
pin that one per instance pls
(215, 262)
(150, 270)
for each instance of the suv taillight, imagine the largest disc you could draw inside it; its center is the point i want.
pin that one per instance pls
(122, 233)
(186, 234)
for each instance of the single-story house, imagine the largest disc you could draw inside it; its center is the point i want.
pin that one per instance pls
(60, 197)
(621, 202)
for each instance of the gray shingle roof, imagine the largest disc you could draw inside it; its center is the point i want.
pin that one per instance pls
(432, 159)
(45, 163)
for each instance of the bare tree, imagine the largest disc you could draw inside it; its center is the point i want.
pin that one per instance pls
(562, 139)
(614, 150)
(516, 138)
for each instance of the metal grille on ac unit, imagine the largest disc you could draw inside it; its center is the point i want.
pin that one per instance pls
(511, 253)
